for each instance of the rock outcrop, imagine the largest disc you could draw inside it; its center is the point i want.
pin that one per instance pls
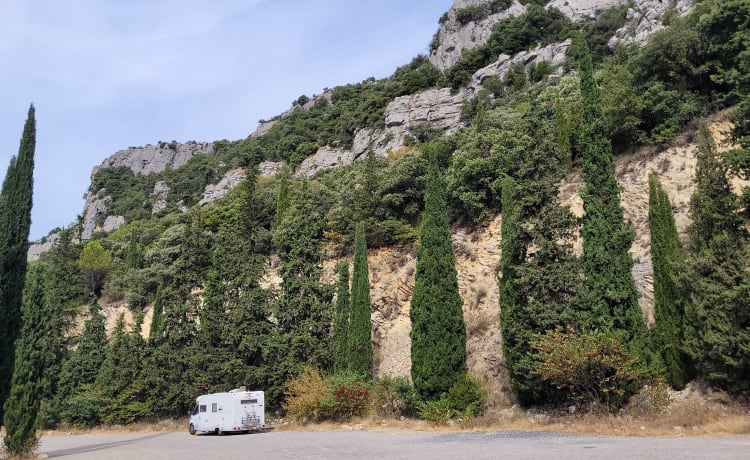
(42, 246)
(155, 158)
(453, 37)
(219, 190)
(645, 17)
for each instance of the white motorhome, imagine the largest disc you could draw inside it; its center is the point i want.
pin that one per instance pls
(234, 411)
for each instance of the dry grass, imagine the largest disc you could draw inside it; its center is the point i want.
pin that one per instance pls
(691, 417)
(702, 415)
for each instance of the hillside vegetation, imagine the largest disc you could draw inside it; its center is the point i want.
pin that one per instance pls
(572, 328)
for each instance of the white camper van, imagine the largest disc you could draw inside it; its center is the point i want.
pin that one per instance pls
(235, 411)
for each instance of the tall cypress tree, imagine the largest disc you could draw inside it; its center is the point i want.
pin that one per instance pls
(15, 223)
(438, 330)
(666, 255)
(359, 359)
(341, 318)
(607, 299)
(715, 279)
(22, 407)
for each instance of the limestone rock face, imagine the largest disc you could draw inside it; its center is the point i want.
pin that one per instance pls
(646, 17)
(112, 223)
(270, 168)
(219, 190)
(42, 246)
(455, 37)
(94, 211)
(580, 9)
(159, 196)
(553, 53)
(155, 158)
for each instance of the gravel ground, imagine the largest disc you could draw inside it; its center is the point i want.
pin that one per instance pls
(389, 445)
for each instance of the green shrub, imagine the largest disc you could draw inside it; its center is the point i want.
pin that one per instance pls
(394, 397)
(439, 411)
(472, 13)
(83, 410)
(468, 397)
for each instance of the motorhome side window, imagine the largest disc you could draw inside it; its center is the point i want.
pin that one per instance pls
(203, 408)
(249, 401)
(195, 410)
(213, 407)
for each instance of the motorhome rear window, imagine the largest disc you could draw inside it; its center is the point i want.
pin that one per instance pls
(249, 401)
(202, 408)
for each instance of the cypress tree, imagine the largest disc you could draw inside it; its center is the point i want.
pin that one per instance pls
(282, 199)
(540, 273)
(607, 299)
(668, 311)
(715, 280)
(15, 223)
(510, 297)
(359, 358)
(22, 407)
(157, 317)
(341, 318)
(438, 331)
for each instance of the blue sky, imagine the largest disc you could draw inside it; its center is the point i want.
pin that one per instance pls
(105, 75)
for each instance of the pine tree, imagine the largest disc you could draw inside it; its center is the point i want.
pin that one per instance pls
(65, 292)
(341, 318)
(666, 255)
(304, 308)
(22, 407)
(81, 369)
(15, 223)
(715, 279)
(359, 358)
(120, 379)
(438, 334)
(607, 299)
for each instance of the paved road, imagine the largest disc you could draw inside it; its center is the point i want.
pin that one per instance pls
(383, 445)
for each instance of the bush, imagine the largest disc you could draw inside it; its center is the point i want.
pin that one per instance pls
(468, 397)
(394, 397)
(436, 411)
(349, 396)
(312, 397)
(595, 368)
(83, 410)
(304, 396)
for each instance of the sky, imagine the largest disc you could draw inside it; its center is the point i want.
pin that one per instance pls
(106, 75)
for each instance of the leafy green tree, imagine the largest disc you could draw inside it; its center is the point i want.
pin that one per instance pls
(94, 261)
(666, 256)
(282, 199)
(15, 223)
(438, 334)
(607, 299)
(22, 407)
(341, 318)
(359, 337)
